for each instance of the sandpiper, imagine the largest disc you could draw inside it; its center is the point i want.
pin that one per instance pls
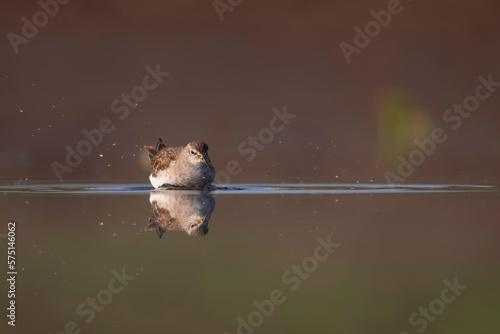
(188, 166)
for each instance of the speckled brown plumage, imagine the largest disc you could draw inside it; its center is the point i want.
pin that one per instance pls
(161, 156)
(187, 166)
(163, 159)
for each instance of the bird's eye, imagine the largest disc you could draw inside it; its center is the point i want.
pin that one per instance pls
(193, 152)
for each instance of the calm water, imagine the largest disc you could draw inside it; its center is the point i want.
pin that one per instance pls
(322, 258)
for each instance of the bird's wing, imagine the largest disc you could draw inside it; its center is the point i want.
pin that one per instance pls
(162, 159)
(153, 150)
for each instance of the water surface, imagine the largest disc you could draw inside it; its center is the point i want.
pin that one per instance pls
(257, 261)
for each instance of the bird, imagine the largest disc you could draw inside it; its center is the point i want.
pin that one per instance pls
(185, 167)
(187, 210)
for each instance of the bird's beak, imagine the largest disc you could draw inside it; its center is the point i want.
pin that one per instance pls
(202, 159)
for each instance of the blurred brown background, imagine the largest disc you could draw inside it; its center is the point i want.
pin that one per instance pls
(353, 120)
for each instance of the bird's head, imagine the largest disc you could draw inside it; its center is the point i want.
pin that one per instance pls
(197, 152)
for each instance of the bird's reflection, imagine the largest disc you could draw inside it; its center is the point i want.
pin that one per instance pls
(187, 211)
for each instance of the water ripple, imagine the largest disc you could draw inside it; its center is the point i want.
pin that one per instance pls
(323, 188)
